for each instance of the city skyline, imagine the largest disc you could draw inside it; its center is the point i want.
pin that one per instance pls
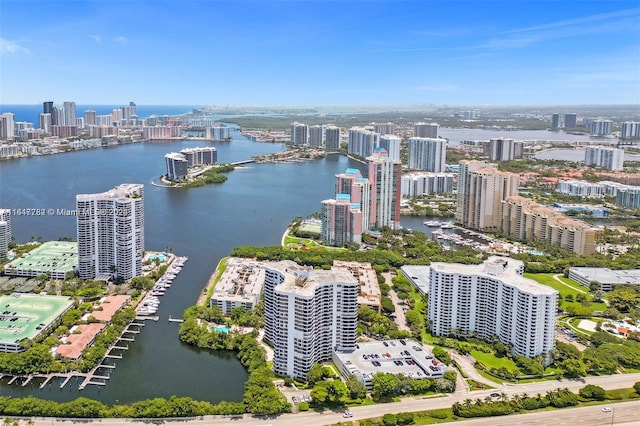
(349, 53)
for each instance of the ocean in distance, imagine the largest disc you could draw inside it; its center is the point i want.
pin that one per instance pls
(253, 207)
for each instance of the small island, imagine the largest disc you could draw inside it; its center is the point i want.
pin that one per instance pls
(194, 167)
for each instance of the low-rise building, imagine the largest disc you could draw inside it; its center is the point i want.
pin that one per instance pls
(369, 287)
(239, 286)
(606, 277)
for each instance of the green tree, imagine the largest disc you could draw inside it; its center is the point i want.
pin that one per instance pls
(636, 387)
(329, 392)
(592, 392)
(315, 374)
(384, 385)
(356, 388)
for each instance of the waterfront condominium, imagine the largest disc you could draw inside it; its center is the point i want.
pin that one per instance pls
(346, 217)
(493, 299)
(481, 190)
(308, 315)
(299, 134)
(5, 232)
(332, 138)
(427, 154)
(503, 149)
(570, 121)
(425, 130)
(385, 176)
(362, 142)
(604, 156)
(111, 232)
(391, 143)
(69, 113)
(383, 128)
(315, 136)
(524, 219)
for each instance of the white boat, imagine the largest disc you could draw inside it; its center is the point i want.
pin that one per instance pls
(432, 223)
(446, 225)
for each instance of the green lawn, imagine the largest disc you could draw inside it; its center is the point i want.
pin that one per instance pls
(492, 361)
(568, 288)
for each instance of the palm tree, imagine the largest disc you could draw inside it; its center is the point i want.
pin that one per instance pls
(467, 403)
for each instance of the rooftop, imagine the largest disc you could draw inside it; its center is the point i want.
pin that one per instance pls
(109, 306)
(79, 339)
(504, 268)
(302, 280)
(58, 256)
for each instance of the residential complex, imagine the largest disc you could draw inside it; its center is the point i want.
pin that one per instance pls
(493, 299)
(391, 144)
(481, 190)
(315, 136)
(425, 130)
(601, 127)
(309, 314)
(427, 154)
(630, 129)
(178, 164)
(581, 188)
(341, 221)
(217, 133)
(570, 121)
(239, 286)
(415, 184)
(385, 178)
(523, 219)
(604, 156)
(503, 149)
(332, 138)
(383, 128)
(299, 134)
(161, 132)
(369, 294)
(362, 142)
(111, 232)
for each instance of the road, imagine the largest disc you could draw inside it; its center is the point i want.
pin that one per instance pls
(467, 364)
(627, 413)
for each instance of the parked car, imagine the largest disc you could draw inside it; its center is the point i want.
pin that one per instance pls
(606, 410)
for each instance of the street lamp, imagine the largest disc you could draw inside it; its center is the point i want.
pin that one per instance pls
(613, 411)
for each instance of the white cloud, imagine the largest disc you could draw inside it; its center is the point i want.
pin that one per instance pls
(9, 46)
(96, 38)
(121, 39)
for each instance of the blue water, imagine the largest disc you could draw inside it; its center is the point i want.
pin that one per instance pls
(30, 112)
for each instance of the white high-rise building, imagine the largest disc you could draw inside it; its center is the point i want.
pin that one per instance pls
(503, 149)
(7, 126)
(391, 144)
(69, 113)
(308, 315)
(383, 128)
(604, 156)
(385, 177)
(601, 127)
(415, 184)
(111, 232)
(299, 134)
(44, 122)
(630, 129)
(362, 142)
(427, 154)
(493, 299)
(5, 232)
(425, 130)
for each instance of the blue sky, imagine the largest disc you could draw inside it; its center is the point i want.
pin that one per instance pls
(320, 52)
